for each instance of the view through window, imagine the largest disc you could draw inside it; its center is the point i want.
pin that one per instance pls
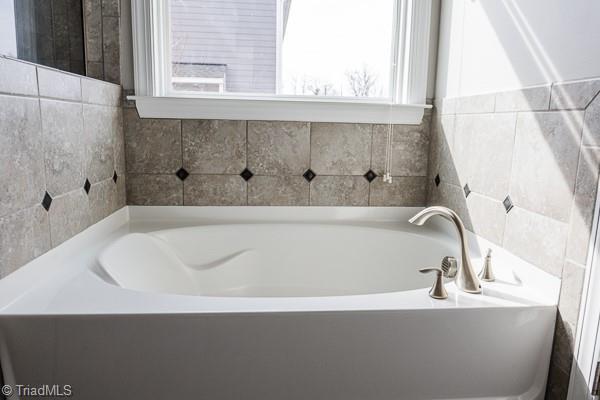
(282, 47)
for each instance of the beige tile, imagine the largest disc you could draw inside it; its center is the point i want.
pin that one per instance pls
(277, 191)
(441, 160)
(582, 210)
(461, 151)
(488, 160)
(121, 191)
(112, 72)
(24, 235)
(21, 154)
(94, 70)
(111, 8)
(561, 361)
(545, 162)
(17, 77)
(591, 126)
(154, 190)
(574, 95)
(119, 143)
(437, 140)
(481, 103)
(92, 14)
(152, 145)
(402, 192)
(488, 217)
(339, 191)
(103, 200)
(214, 147)
(58, 84)
(69, 214)
(570, 293)
(214, 190)
(453, 197)
(64, 146)
(537, 239)
(98, 92)
(446, 106)
(340, 149)
(278, 148)
(111, 48)
(410, 148)
(528, 99)
(99, 126)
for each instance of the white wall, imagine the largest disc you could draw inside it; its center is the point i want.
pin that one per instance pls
(494, 45)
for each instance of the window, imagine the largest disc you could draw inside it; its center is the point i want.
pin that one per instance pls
(314, 55)
(289, 47)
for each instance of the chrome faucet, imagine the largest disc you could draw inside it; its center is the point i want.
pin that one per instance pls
(466, 279)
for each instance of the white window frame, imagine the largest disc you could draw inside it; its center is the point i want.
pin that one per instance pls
(152, 72)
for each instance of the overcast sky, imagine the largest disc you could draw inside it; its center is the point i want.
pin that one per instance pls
(326, 38)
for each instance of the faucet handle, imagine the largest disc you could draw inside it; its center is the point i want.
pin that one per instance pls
(449, 266)
(487, 274)
(437, 291)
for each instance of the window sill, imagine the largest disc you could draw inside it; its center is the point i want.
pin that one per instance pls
(269, 109)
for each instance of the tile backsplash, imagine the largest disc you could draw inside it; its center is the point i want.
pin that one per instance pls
(538, 148)
(59, 133)
(266, 163)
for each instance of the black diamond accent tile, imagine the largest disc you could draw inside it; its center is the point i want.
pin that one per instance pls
(115, 177)
(47, 201)
(437, 180)
(370, 175)
(309, 175)
(246, 174)
(182, 174)
(467, 190)
(508, 204)
(87, 186)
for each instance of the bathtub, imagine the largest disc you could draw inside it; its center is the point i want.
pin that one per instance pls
(273, 303)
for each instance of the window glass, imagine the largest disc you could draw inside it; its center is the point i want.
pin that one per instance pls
(287, 47)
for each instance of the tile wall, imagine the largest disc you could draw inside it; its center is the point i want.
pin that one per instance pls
(62, 157)
(102, 25)
(266, 163)
(521, 168)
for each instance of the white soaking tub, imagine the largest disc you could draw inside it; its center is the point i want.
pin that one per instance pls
(273, 303)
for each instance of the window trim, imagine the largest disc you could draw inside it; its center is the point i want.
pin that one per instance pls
(150, 27)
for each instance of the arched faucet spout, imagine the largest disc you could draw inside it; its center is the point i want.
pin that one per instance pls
(466, 279)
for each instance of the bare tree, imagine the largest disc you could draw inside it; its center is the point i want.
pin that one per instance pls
(361, 81)
(311, 85)
(321, 89)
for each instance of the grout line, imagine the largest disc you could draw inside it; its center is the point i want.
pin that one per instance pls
(274, 175)
(246, 182)
(597, 95)
(550, 97)
(181, 153)
(39, 105)
(371, 160)
(310, 161)
(37, 96)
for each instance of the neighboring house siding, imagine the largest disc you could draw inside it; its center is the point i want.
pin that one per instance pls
(238, 33)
